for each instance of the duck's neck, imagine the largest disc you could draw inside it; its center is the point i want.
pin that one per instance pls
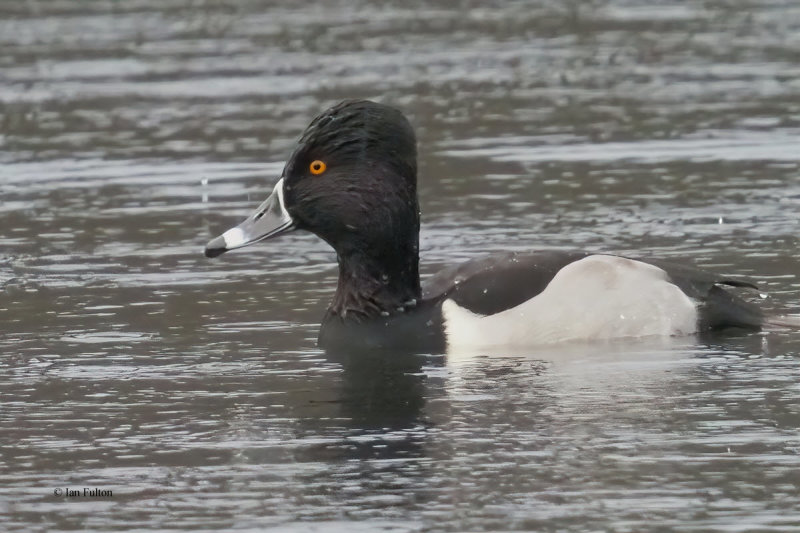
(377, 284)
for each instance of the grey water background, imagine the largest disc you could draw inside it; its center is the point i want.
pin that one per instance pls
(131, 132)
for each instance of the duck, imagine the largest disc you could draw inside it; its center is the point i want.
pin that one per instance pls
(351, 180)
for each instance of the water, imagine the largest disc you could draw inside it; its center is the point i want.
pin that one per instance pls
(192, 389)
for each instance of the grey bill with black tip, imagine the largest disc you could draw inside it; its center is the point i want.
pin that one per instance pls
(270, 219)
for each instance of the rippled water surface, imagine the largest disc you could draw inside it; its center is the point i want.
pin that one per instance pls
(192, 389)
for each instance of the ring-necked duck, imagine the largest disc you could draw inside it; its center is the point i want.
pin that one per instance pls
(352, 181)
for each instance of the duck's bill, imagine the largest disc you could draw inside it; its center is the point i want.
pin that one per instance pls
(270, 219)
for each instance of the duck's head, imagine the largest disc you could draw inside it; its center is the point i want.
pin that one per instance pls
(351, 180)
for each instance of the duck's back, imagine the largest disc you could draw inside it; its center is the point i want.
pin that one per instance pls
(493, 283)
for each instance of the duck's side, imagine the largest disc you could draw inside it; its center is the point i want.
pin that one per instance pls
(528, 299)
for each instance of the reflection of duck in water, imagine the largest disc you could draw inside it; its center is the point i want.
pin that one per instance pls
(352, 181)
(384, 389)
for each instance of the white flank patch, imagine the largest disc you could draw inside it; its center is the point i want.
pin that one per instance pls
(600, 297)
(233, 237)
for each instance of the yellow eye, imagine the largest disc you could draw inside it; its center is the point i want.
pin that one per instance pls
(317, 167)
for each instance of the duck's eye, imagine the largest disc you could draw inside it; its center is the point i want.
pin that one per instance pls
(317, 167)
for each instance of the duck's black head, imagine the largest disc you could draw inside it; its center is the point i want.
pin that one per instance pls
(352, 181)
